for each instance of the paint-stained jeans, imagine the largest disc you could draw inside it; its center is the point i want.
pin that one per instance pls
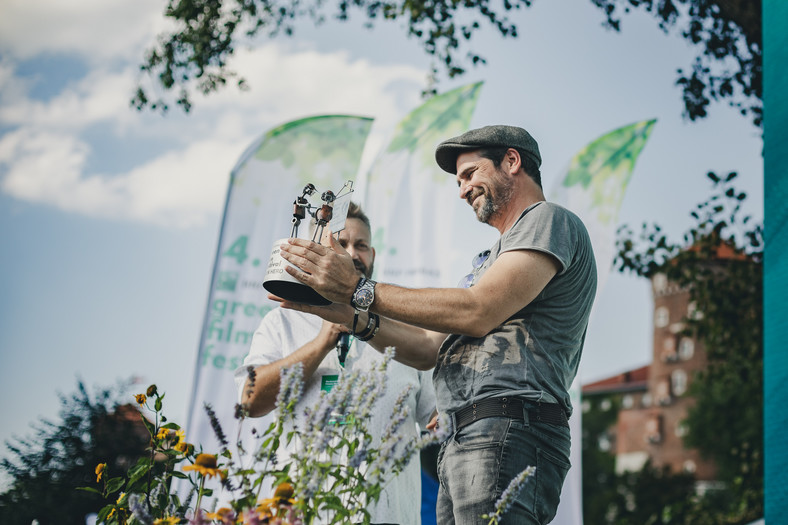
(477, 463)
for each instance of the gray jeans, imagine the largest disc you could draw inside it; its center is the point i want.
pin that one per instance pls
(476, 464)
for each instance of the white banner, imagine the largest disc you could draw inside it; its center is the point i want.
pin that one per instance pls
(324, 151)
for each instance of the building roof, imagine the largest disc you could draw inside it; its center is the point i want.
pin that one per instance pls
(629, 381)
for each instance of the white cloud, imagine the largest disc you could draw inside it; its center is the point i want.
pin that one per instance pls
(93, 29)
(44, 159)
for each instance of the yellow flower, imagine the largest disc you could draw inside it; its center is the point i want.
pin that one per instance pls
(282, 496)
(141, 398)
(167, 521)
(182, 447)
(100, 470)
(152, 391)
(111, 513)
(163, 433)
(220, 514)
(205, 464)
(120, 497)
(181, 435)
(284, 491)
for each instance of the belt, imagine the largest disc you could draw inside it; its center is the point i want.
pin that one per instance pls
(511, 407)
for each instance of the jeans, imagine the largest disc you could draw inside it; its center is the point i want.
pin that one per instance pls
(477, 463)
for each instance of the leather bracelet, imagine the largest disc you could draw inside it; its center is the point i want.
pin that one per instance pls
(371, 329)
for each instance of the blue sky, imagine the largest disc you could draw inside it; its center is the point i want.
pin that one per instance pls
(110, 217)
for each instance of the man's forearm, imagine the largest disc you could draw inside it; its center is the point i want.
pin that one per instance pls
(261, 397)
(414, 346)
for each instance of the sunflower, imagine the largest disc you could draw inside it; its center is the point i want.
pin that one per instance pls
(205, 464)
(283, 495)
(167, 521)
(221, 514)
(100, 471)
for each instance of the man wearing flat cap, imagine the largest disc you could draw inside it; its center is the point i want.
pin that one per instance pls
(505, 345)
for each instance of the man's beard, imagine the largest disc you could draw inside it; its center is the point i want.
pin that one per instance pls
(363, 270)
(493, 202)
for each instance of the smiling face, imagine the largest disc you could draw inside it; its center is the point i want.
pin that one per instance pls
(486, 188)
(356, 239)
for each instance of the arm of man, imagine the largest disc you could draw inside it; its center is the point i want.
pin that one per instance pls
(512, 282)
(415, 346)
(260, 397)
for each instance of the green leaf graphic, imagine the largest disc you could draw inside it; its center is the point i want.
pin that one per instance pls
(604, 167)
(332, 140)
(427, 125)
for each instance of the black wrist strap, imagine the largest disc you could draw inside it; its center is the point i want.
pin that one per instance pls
(371, 329)
(355, 323)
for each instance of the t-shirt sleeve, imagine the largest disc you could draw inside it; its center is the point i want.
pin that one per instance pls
(546, 228)
(426, 400)
(266, 348)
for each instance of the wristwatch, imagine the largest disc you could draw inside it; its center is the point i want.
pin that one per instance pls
(364, 295)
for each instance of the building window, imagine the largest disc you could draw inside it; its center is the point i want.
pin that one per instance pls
(628, 401)
(661, 317)
(586, 406)
(678, 382)
(689, 466)
(681, 430)
(654, 429)
(646, 400)
(669, 350)
(663, 392)
(605, 405)
(660, 282)
(686, 348)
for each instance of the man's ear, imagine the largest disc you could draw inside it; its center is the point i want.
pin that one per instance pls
(513, 161)
(373, 254)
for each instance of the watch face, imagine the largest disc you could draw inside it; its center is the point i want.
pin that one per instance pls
(364, 297)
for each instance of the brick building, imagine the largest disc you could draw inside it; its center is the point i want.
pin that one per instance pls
(652, 401)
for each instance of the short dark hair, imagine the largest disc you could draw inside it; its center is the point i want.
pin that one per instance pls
(496, 155)
(354, 211)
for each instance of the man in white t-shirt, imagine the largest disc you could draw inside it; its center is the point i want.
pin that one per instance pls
(287, 337)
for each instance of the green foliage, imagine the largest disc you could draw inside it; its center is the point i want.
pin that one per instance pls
(599, 477)
(651, 496)
(728, 32)
(196, 55)
(333, 473)
(45, 468)
(721, 264)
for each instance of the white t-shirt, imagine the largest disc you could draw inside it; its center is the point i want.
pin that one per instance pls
(282, 332)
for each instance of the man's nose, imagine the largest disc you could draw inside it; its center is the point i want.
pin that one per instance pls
(464, 189)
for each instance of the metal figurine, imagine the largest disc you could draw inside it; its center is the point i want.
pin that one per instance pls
(323, 215)
(300, 205)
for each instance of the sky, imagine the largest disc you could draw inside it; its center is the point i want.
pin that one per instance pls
(109, 217)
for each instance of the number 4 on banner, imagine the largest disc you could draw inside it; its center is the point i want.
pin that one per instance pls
(237, 250)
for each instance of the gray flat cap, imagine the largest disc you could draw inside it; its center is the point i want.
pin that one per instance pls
(487, 137)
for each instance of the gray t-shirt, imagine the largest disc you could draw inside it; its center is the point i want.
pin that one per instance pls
(535, 353)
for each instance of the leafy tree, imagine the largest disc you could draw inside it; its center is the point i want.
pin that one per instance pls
(196, 55)
(720, 262)
(650, 496)
(45, 468)
(599, 476)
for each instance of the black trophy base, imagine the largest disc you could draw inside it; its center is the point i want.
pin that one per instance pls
(295, 292)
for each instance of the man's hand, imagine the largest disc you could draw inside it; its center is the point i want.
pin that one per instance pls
(334, 313)
(329, 335)
(329, 270)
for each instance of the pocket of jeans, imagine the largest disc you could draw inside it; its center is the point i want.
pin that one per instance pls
(550, 475)
(485, 433)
